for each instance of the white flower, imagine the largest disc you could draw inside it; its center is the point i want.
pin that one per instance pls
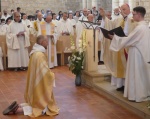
(72, 47)
(74, 56)
(80, 45)
(68, 58)
(78, 58)
(80, 50)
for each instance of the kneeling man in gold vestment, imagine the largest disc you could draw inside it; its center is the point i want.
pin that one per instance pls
(39, 96)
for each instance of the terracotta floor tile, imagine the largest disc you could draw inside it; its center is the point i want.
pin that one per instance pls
(74, 102)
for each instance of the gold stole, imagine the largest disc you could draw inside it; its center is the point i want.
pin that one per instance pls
(43, 32)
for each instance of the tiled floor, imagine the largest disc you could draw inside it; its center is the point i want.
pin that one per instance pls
(74, 102)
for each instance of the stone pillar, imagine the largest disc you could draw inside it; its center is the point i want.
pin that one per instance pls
(133, 3)
(89, 4)
(94, 3)
(115, 4)
(84, 3)
(121, 2)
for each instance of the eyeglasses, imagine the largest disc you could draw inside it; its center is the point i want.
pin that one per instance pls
(17, 16)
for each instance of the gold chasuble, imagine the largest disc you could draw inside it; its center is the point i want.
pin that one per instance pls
(44, 32)
(39, 87)
(114, 61)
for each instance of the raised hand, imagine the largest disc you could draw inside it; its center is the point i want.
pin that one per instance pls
(102, 12)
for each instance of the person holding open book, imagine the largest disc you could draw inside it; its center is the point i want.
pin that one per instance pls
(137, 83)
(116, 61)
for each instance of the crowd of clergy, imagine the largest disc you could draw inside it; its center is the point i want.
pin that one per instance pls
(125, 57)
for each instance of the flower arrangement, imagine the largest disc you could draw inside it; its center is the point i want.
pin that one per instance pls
(76, 60)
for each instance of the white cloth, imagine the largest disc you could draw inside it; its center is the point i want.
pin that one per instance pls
(118, 82)
(17, 46)
(27, 22)
(55, 22)
(73, 22)
(54, 40)
(65, 26)
(137, 82)
(37, 48)
(3, 29)
(5, 17)
(76, 18)
(79, 28)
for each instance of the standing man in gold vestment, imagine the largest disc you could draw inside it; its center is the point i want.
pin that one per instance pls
(116, 61)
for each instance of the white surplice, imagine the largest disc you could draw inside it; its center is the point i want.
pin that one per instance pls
(137, 82)
(55, 22)
(27, 22)
(5, 17)
(3, 29)
(17, 46)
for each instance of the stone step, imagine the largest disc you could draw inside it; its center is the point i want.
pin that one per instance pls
(110, 92)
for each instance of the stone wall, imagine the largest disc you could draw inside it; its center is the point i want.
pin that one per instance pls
(30, 6)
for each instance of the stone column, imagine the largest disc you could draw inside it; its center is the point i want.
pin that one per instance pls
(115, 4)
(84, 3)
(89, 4)
(121, 2)
(94, 3)
(133, 3)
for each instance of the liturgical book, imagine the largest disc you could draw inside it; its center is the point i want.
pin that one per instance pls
(118, 31)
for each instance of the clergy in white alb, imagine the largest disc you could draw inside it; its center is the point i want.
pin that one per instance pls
(55, 21)
(116, 61)
(36, 24)
(48, 29)
(3, 29)
(80, 26)
(137, 82)
(65, 26)
(5, 15)
(17, 39)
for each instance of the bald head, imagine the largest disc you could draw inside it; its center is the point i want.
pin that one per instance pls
(39, 16)
(17, 16)
(42, 40)
(90, 17)
(125, 8)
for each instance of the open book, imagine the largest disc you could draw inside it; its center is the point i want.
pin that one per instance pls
(118, 31)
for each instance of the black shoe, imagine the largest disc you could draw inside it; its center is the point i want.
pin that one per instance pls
(16, 69)
(120, 89)
(10, 108)
(22, 69)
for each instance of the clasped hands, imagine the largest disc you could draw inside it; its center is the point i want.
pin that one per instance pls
(110, 36)
(20, 34)
(51, 36)
(65, 33)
